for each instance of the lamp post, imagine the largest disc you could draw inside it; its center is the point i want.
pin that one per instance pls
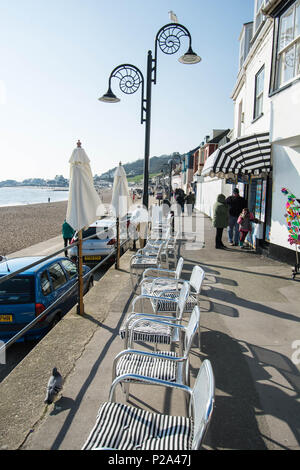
(131, 78)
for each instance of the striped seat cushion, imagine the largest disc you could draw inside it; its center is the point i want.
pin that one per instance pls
(124, 427)
(170, 306)
(148, 366)
(149, 332)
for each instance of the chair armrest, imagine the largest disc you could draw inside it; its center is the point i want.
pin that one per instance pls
(163, 383)
(151, 297)
(158, 280)
(143, 353)
(158, 270)
(152, 278)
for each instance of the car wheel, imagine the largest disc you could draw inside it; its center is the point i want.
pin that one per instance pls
(90, 284)
(55, 320)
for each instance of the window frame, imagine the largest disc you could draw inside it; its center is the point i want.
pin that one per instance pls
(45, 272)
(55, 288)
(256, 97)
(68, 262)
(258, 13)
(275, 85)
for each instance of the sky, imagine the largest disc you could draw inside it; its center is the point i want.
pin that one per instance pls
(55, 61)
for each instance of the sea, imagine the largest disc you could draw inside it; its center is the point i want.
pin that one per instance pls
(23, 195)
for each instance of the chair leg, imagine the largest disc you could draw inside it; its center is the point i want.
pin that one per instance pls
(126, 387)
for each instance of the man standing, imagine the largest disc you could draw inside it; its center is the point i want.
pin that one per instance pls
(236, 204)
(67, 233)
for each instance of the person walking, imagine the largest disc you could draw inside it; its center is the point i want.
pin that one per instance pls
(67, 233)
(245, 220)
(236, 204)
(220, 219)
(180, 198)
(190, 202)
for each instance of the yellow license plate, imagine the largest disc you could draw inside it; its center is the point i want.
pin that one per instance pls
(92, 258)
(6, 318)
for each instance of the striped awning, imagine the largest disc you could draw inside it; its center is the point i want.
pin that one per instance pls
(245, 155)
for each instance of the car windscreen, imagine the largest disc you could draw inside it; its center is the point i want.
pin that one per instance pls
(89, 232)
(17, 290)
(100, 233)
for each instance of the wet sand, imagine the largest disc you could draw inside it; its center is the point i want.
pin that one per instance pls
(23, 226)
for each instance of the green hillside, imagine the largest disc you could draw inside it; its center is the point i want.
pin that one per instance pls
(136, 169)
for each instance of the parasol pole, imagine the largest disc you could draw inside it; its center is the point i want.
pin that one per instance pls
(118, 235)
(118, 243)
(80, 306)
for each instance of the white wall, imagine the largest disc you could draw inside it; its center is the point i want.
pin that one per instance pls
(207, 193)
(286, 173)
(262, 57)
(285, 116)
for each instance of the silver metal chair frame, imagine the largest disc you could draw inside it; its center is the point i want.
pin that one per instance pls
(177, 317)
(201, 404)
(140, 262)
(182, 361)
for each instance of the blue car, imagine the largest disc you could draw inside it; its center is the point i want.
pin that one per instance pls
(28, 294)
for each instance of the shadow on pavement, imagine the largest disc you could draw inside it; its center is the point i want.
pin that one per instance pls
(94, 369)
(230, 297)
(234, 424)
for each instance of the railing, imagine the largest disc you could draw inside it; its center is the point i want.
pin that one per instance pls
(59, 299)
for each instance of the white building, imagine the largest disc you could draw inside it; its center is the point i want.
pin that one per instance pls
(266, 100)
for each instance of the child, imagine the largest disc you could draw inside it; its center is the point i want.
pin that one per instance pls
(244, 221)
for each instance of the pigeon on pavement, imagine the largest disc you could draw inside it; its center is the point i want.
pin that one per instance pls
(54, 386)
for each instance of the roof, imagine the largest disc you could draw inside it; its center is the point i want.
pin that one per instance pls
(14, 264)
(219, 137)
(103, 223)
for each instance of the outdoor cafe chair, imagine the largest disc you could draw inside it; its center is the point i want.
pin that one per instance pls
(140, 262)
(162, 226)
(150, 332)
(122, 427)
(166, 276)
(171, 288)
(164, 365)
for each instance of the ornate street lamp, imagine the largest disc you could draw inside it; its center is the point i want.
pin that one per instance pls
(131, 78)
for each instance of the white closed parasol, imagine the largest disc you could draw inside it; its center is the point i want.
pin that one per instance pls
(120, 201)
(84, 204)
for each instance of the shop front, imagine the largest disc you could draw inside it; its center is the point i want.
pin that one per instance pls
(245, 163)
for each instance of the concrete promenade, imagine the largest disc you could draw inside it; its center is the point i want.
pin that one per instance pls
(250, 314)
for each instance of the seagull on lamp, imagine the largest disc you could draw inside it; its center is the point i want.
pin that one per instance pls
(173, 17)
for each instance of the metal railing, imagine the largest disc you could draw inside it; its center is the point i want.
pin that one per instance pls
(59, 299)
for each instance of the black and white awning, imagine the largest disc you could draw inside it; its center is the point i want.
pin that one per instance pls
(245, 155)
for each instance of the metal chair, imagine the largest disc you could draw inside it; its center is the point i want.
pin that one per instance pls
(173, 286)
(165, 365)
(173, 289)
(150, 332)
(159, 228)
(165, 277)
(123, 427)
(140, 262)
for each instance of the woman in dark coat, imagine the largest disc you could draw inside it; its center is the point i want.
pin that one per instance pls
(220, 219)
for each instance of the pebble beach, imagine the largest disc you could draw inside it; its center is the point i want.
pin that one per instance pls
(23, 226)
(26, 225)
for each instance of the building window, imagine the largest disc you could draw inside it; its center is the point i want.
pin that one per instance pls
(259, 93)
(259, 16)
(288, 45)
